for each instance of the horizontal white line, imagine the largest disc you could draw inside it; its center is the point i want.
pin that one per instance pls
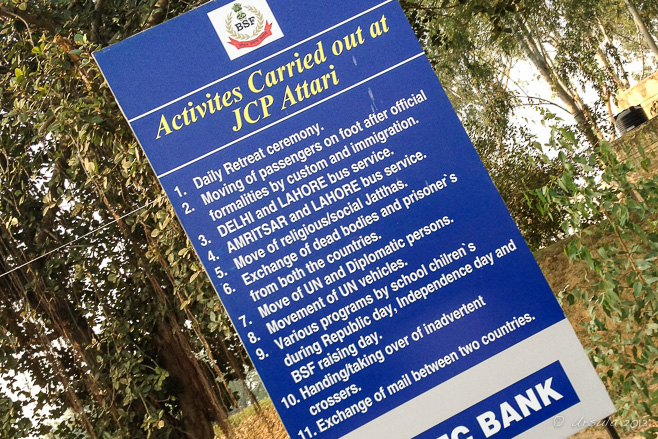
(291, 115)
(258, 62)
(80, 237)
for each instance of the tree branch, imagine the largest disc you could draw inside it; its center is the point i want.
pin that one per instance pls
(35, 21)
(417, 7)
(159, 13)
(545, 101)
(8, 14)
(96, 23)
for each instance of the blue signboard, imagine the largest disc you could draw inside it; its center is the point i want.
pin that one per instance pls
(348, 225)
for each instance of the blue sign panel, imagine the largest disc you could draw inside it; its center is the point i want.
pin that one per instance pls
(339, 207)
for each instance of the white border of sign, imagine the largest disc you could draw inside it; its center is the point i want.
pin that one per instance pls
(456, 395)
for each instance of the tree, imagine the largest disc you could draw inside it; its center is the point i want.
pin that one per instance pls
(642, 27)
(611, 216)
(121, 329)
(535, 51)
(465, 44)
(574, 47)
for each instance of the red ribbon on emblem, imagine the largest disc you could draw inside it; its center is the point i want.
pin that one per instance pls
(256, 41)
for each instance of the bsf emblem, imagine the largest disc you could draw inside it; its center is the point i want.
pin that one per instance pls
(244, 26)
(246, 29)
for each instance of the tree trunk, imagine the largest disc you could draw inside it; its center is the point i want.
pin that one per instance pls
(65, 320)
(580, 114)
(639, 22)
(237, 367)
(199, 401)
(610, 71)
(199, 404)
(13, 291)
(619, 66)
